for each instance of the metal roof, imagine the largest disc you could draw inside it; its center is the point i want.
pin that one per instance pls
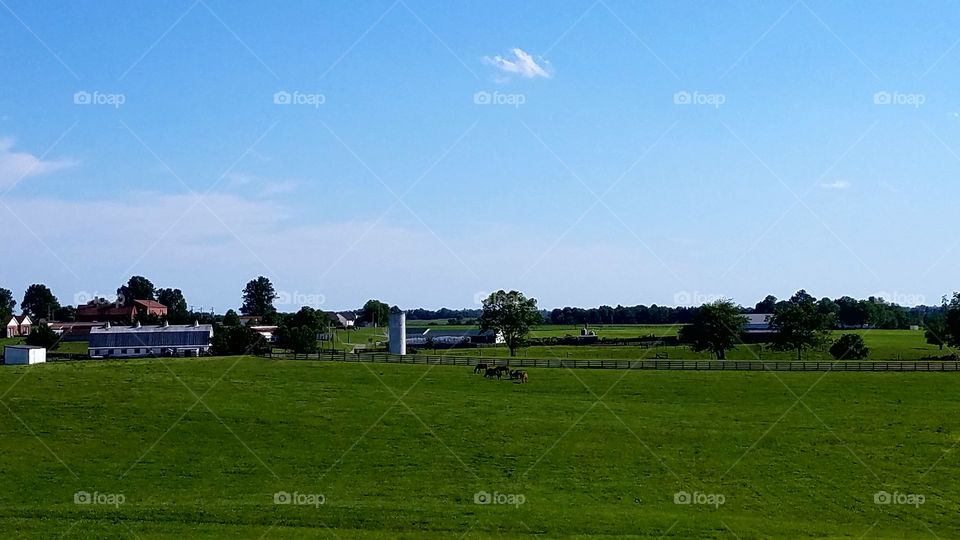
(151, 336)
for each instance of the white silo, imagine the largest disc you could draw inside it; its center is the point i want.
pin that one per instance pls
(398, 333)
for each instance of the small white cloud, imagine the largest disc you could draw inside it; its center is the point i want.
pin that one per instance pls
(836, 184)
(267, 186)
(16, 166)
(522, 64)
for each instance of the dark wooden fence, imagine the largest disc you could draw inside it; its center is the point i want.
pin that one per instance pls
(672, 365)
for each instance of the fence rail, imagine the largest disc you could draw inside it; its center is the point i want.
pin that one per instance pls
(646, 364)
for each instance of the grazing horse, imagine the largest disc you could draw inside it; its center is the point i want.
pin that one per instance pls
(492, 372)
(502, 370)
(480, 368)
(521, 375)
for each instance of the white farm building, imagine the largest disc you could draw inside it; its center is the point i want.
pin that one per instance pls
(139, 341)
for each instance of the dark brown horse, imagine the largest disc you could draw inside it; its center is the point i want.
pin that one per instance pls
(480, 368)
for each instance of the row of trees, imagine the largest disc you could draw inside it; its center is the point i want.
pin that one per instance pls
(803, 323)
(847, 312)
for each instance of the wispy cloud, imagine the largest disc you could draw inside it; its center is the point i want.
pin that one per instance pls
(521, 63)
(266, 186)
(836, 184)
(16, 166)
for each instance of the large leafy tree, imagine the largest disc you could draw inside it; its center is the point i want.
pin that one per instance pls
(935, 331)
(137, 288)
(39, 302)
(43, 336)
(800, 325)
(511, 314)
(715, 327)
(376, 312)
(952, 320)
(849, 347)
(766, 305)
(231, 340)
(177, 310)
(231, 318)
(258, 297)
(7, 303)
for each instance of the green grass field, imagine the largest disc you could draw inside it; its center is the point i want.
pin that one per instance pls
(198, 448)
(884, 345)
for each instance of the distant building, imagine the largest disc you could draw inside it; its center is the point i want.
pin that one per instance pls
(99, 311)
(758, 323)
(448, 338)
(19, 326)
(348, 318)
(24, 354)
(269, 333)
(139, 341)
(73, 331)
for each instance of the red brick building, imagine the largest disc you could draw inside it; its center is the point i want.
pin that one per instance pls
(99, 312)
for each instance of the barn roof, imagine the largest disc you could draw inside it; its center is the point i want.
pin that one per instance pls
(151, 336)
(150, 304)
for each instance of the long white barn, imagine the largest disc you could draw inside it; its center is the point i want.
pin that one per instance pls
(139, 341)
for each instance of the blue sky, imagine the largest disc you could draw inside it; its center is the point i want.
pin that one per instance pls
(585, 153)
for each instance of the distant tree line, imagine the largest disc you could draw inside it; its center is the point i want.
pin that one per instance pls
(846, 312)
(640, 314)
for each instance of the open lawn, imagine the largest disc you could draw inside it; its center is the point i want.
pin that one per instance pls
(198, 448)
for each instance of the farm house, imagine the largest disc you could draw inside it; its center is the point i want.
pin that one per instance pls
(141, 341)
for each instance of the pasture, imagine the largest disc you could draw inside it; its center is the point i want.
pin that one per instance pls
(200, 448)
(883, 344)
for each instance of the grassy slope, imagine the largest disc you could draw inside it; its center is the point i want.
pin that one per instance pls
(585, 468)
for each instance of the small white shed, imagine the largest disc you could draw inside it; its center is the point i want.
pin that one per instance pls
(24, 354)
